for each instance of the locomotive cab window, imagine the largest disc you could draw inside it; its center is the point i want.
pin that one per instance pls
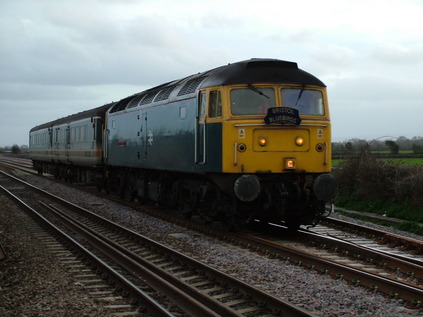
(252, 100)
(215, 109)
(306, 101)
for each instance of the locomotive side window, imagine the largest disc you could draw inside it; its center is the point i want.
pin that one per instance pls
(182, 112)
(252, 101)
(202, 106)
(306, 101)
(215, 109)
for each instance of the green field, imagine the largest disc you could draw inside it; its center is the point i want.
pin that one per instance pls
(417, 161)
(409, 161)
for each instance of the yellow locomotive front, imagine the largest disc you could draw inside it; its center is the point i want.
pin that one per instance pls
(282, 144)
(277, 141)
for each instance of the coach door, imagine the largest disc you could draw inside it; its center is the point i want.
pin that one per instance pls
(200, 130)
(68, 143)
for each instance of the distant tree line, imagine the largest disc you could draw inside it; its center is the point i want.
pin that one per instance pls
(14, 149)
(384, 144)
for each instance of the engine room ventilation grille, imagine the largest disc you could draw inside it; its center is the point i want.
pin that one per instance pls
(191, 86)
(121, 105)
(149, 97)
(134, 102)
(164, 93)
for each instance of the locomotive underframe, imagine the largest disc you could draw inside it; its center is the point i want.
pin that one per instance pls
(283, 198)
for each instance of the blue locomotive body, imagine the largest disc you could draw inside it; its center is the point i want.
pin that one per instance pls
(153, 137)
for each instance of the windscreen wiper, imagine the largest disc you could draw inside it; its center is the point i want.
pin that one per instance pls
(251, 87)
(299, 95)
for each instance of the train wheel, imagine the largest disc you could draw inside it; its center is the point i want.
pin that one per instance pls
(232, 220)
(187, 203)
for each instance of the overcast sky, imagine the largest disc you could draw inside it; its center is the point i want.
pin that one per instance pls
(62, 57)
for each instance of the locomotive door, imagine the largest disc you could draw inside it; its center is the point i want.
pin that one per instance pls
(142, 154)
(200, 130)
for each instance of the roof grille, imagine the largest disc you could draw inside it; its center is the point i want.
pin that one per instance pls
(164, 93)
(149, 97)
(121, 105)
(191, 86)
(134, 102)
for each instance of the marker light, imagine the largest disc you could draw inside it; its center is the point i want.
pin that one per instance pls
(320, 147)
(262, 141)
(290, 163)
(299, 141)
(242, 147)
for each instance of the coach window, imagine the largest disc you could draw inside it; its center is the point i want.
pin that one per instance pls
(68, 136)
(84, 133)
(215, 109)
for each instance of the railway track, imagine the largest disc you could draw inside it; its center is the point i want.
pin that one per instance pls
(395, 276)
(394, 272)
(395, 245)
(194, 287)
(17, 162)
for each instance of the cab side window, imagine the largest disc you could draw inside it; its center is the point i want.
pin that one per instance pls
(202, 105)
(215, 109)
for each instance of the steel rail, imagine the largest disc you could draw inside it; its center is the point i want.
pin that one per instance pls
(405, 265)
(143, 298)
(386, 237)
(410, 293)
(212, 303)
(137, 267)
(273, 302)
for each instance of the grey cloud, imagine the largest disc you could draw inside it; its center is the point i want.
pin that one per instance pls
(398, 54)
(377, 89)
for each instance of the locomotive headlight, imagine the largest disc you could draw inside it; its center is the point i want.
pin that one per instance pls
(299, 141)
(262, 141)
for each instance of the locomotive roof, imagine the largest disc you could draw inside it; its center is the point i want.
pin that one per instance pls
(245, 72)
(251, 71)
(96, 112)
(260, 71)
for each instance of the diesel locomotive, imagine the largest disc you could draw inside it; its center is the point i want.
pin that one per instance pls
(249, 141)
